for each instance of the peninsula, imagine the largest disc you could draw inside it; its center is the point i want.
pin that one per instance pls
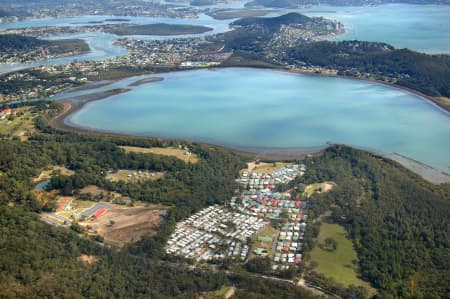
(157, 29)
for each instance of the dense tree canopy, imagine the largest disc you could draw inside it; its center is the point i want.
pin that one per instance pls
(398, 222)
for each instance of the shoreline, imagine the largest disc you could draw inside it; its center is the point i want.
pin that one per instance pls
(75, 104)
(145, 81)
(89, 86)
(432, 100)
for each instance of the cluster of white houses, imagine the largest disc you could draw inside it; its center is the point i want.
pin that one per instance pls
(258, 181)
(219, 232)
(288, 245)
(263, 201)
(214, 233)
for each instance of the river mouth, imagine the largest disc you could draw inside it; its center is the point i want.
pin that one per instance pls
(262, 110)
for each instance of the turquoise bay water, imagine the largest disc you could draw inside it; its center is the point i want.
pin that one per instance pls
(250, 109)
(424, 28)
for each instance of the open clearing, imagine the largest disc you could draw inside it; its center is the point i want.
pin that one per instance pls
(223, 293)
(269, 232)
(88, 259)
(319, 187)
(165, 151)
(122, 225)
(134, 176)
(21, 125)
(51, 171)
(337, 264)
(445, 100)
(97, 193)
(263, 167)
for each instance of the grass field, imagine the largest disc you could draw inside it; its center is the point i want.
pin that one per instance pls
(445, 100)
(21, 125)
(267, 231)
(165, 151)
(65, 214)
(79, 206)
(76, 207)
(337, 264)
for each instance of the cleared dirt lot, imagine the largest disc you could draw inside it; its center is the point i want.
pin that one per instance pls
(122, 225)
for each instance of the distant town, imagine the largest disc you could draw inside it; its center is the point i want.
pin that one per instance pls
(148, 56)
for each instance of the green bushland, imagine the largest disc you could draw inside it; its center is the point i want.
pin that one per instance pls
(14, 43)
(397, 221)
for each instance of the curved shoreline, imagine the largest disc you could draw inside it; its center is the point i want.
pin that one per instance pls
(425, 171)
(432, 100)
(74, 104)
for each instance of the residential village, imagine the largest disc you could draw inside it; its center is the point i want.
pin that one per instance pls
(145, 56)
(236, 229)
(213, 234)
(4, 113)
(174, 53)
(43, 10)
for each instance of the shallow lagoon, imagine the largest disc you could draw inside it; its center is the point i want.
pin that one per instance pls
(256, 109)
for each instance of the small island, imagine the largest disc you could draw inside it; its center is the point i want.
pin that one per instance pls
(228, 14)
(157, 29)
(117, 20)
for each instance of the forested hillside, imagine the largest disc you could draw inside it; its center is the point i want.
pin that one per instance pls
(273, 23)
(398, 222)
(17, 45)
(38, 260)
(427, 73)
(10, 42)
